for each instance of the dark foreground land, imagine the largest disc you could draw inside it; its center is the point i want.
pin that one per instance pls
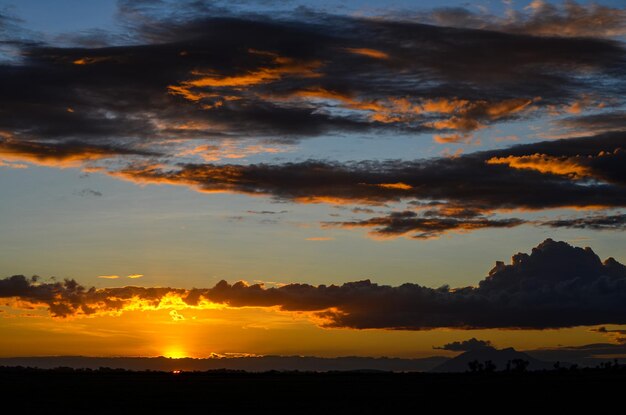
(35, 391)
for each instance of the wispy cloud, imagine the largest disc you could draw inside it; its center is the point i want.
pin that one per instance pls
(134, 276)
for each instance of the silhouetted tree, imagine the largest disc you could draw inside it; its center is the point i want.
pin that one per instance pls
(475, 366)
(520, 365)
(490, 367)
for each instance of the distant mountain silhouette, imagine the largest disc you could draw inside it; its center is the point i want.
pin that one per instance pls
(250, 364)
(499, 357)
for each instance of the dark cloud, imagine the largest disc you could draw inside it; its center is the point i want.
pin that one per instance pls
(13, 37)
(606, 121)
(424, 227)
(557, 285)
(192, 81)
(432, 224)
(62, 154)
(539, 18)
(465, 345)
(599, 222)
(300, 76)
(88, 193)
(582, 172)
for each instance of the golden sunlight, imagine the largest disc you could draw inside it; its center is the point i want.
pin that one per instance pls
(175, 352)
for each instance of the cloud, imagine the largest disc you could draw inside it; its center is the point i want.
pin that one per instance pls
(176, 316)
(470, 181)
(618, 336)
(569, 166)
(88, 192)
(229, 77)
(67, 154)
(134, 276)
(229, 149)
(370, 53)
(555, 286)
(596, 123)
(320, 238)
(13, 165)
(228, 86)
(424, 227)
(115, 277)
(465, 345)
(541, 18)
(595, 222)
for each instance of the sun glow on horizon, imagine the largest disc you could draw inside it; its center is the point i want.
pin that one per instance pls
(175, 352)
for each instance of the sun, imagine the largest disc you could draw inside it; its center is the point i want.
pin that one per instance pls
(175, 352)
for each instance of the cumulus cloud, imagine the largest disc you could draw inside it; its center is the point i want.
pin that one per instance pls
(557, 285)
(465, 345)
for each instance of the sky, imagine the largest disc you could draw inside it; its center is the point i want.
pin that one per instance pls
(335, 178)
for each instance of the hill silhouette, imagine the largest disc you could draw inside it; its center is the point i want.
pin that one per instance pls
(500, 358)
(247, 363)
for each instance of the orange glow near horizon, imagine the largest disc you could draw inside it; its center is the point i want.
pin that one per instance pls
(175, 352)
(250, 331)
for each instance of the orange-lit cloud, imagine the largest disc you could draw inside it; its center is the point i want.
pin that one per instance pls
(134, 276)
(91, 60)
(348, 101)
(461, 115)
(196, 89)
(540, 282)
(109, 277)
(569, 166)
(474, 180)
(452, 138)
(617, 336)
(176, 316)
(472, 115)
(3, 163)
(231, 149)
(57, 155)
(399, 185)
(370, 53)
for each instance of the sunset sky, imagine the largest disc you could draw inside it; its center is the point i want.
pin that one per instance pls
(332, 178)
